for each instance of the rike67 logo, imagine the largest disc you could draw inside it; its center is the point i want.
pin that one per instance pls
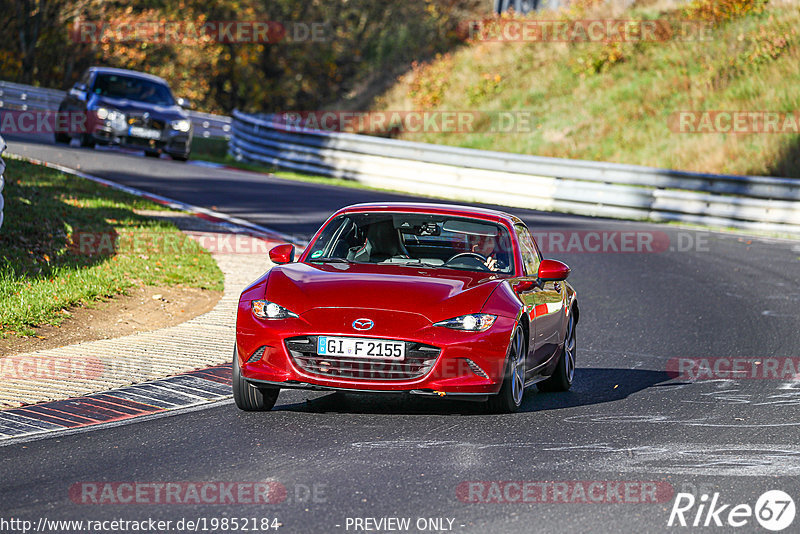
(774, 510)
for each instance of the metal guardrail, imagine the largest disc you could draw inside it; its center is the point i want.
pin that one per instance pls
(2, 179)
(15, 96)
(573, 186)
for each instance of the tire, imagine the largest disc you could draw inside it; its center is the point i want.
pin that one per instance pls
(180, 158)
(248, 397)
(509, 399)
(565, 369)
(152, 153)
(87, 141)
(62, 138)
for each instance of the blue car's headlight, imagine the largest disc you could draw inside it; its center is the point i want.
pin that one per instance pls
(475, 322)
(111, 116)
(264, 309)
(181, 125)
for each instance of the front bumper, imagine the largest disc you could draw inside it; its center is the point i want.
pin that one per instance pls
(467, 363)
(171, 141)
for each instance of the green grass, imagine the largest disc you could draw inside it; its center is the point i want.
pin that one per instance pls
(209, 148)
(45, 268)
(591, 104)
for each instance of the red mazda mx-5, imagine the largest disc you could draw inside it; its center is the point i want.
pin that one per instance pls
(428, 299)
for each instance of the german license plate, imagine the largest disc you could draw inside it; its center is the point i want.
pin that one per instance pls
(354, 347)
(146, 133)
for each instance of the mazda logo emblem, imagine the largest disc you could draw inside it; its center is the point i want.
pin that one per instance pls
(363, 324)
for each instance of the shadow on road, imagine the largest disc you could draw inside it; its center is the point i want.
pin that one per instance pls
(591, 386)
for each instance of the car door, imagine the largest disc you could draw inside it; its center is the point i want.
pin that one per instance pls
(544, 303)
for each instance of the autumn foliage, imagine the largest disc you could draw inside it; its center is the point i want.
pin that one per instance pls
(355, 43)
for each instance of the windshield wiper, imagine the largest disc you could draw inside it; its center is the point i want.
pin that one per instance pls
(330, 260)
(420, 263)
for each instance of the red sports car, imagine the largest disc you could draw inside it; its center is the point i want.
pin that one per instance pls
(427, 299)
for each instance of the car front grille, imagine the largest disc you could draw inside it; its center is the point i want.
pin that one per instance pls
(148, 122)
(419, 360)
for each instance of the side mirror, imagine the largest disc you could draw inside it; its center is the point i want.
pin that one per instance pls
(79, 87)
(524, 285)
(185, 103)
(282, 254)
(553, 271)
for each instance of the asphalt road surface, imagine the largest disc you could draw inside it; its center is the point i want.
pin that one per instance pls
(347, 463)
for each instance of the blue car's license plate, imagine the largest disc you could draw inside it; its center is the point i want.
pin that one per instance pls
(146, 133)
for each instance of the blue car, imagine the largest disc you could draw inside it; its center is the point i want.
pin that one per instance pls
(129, 109)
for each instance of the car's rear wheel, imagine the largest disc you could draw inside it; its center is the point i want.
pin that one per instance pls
(509, 399)
(152, 153)
(249, 397)
(565, 370)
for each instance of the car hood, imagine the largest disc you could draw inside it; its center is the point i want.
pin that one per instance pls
(132, 106)
(436, 294)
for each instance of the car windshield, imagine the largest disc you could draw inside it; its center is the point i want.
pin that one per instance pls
(414, 239)
(133, 88)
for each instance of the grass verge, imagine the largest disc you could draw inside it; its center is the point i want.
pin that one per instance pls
(67, 241)
(618, 101)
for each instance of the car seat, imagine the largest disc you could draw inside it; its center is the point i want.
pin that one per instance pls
(383, 243)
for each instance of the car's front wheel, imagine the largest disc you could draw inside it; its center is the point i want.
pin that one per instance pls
(509, 399)
(87, 140)
(247, 396)
(565, 369)
(61, 138)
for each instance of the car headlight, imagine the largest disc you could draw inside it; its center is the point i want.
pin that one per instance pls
(475, 322)
(264, 309)
(116, 118)
(181, 125)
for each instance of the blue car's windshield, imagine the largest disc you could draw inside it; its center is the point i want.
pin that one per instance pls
(133, 88)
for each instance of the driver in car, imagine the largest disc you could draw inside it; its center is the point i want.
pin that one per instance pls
(487, 247)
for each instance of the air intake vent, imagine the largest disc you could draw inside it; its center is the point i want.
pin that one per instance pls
(257, 355)
(418, 362)
(476, 369)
